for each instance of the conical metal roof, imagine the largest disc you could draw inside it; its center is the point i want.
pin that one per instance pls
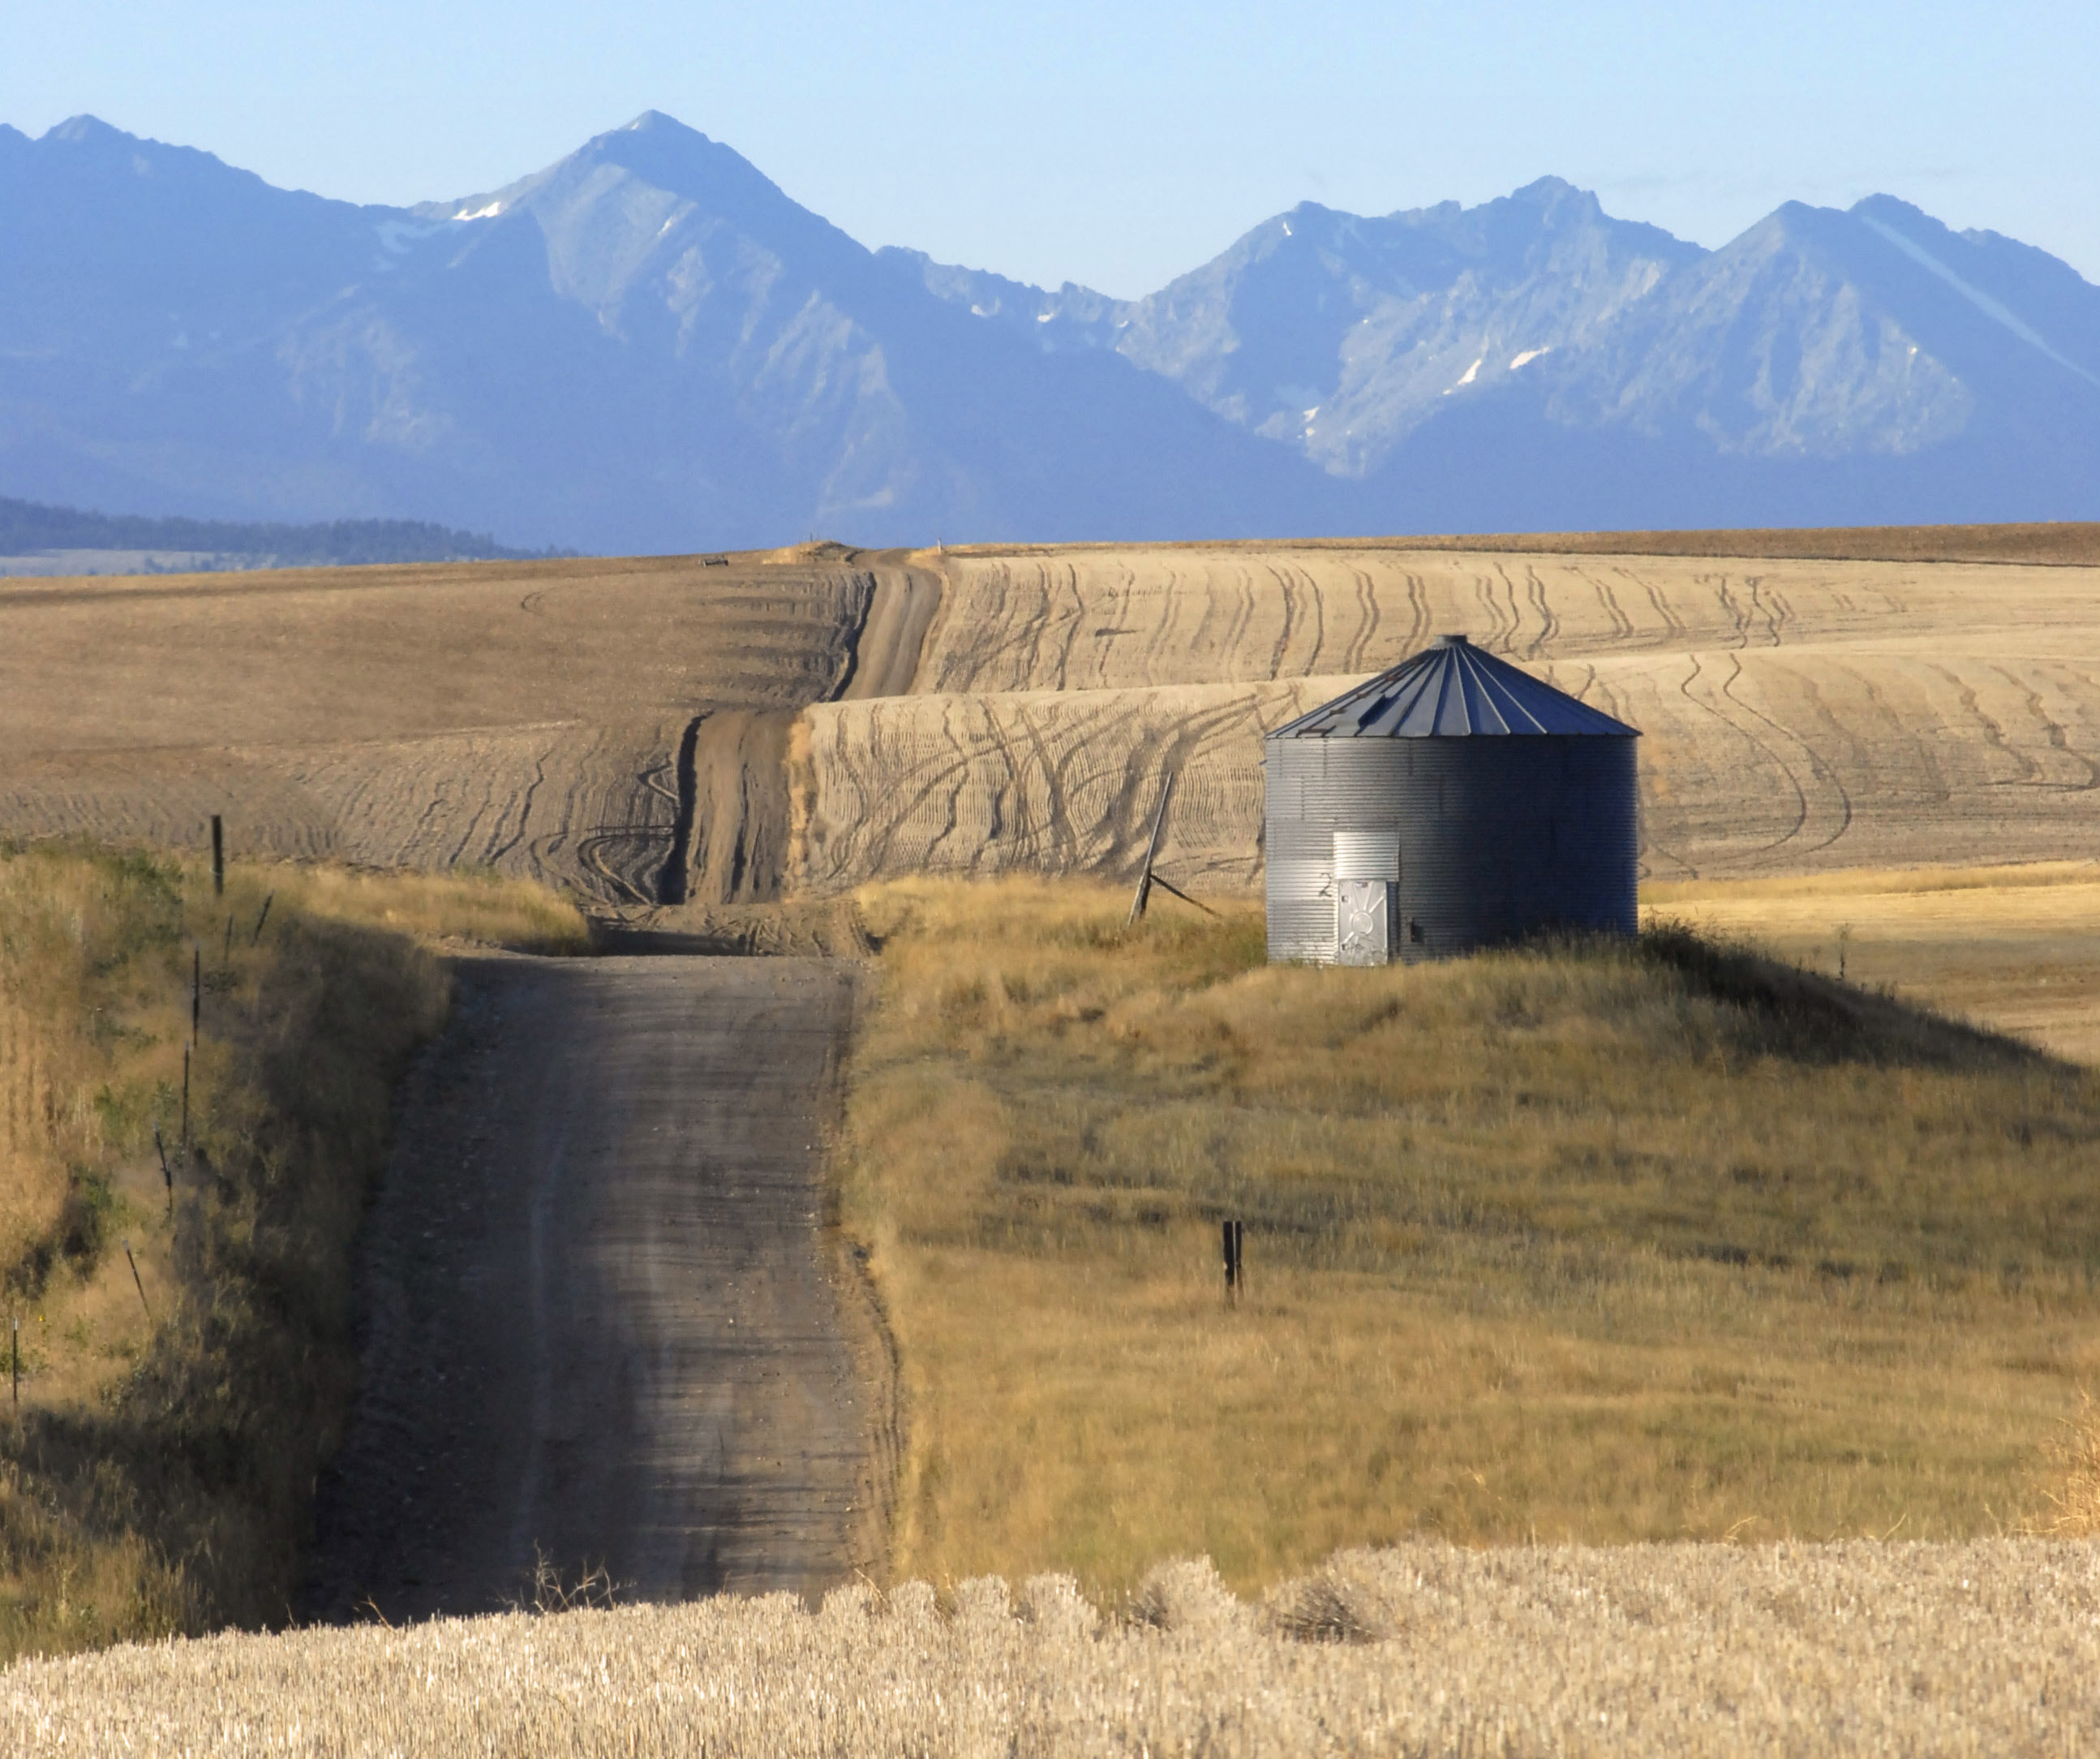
(1452, 690)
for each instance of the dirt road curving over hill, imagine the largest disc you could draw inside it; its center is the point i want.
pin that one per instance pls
(604, 1327)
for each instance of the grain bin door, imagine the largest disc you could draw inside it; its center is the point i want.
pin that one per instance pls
(1367, 875)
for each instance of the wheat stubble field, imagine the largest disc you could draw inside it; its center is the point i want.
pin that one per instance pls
(1877, 749)
(629, 729)
(554, 721)
(1800, 716)
(1987, 1648)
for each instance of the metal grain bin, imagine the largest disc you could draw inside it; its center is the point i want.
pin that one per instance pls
(1452, 802)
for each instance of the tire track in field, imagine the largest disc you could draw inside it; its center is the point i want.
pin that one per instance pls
(1549, 625)
(1994, 735)
(1077, 773)
(2057, 736)
(1367, 622)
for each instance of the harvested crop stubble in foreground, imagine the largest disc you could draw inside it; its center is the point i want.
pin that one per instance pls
(1989, 1647)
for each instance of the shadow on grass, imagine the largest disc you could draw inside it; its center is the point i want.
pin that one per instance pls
(1805, 1017)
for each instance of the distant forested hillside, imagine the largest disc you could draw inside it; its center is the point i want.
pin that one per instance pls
(27, 527)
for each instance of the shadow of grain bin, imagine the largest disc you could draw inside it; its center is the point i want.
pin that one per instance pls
(1452, 802)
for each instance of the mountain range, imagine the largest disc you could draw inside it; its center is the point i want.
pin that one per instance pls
(648, 346)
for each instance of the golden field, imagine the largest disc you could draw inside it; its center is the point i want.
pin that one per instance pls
(1561, 1248)
(1798, 716)
(529, 716)
(2016, 949)
(1989, 1646)
(1592, 1244)
(721, 730)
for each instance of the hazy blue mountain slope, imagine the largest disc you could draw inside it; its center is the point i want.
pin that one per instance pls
(1341, 335)
(1813, 370)
(649, 346)
(1337, 334)
(1819, 332)
(1532, 362)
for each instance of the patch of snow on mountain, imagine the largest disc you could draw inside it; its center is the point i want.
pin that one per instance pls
(1529, 354)
(489, 213)
(1469, 374)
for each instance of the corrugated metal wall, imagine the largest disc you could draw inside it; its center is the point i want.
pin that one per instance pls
(1498, 836)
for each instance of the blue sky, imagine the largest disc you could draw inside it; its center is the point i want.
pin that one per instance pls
(1120, 144)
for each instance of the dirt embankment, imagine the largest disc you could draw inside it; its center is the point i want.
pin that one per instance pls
(604, 1327)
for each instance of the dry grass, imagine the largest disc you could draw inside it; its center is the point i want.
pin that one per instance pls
(2074, 1505)
(1987, 1647)
(479, 907)
(157, 1473)
(1594, 1244)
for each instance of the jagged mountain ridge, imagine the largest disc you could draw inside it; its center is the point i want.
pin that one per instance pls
(1338, 335)
(648, 345)
(1815, 333)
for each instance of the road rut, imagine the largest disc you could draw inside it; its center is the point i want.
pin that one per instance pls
(601, 1322)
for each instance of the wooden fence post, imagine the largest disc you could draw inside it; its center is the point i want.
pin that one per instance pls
(136, 1283)
(1143, 895)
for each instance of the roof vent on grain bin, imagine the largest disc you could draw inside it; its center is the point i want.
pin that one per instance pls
(1450, 803)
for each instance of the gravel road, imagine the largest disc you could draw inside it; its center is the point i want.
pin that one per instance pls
(602, 1324)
